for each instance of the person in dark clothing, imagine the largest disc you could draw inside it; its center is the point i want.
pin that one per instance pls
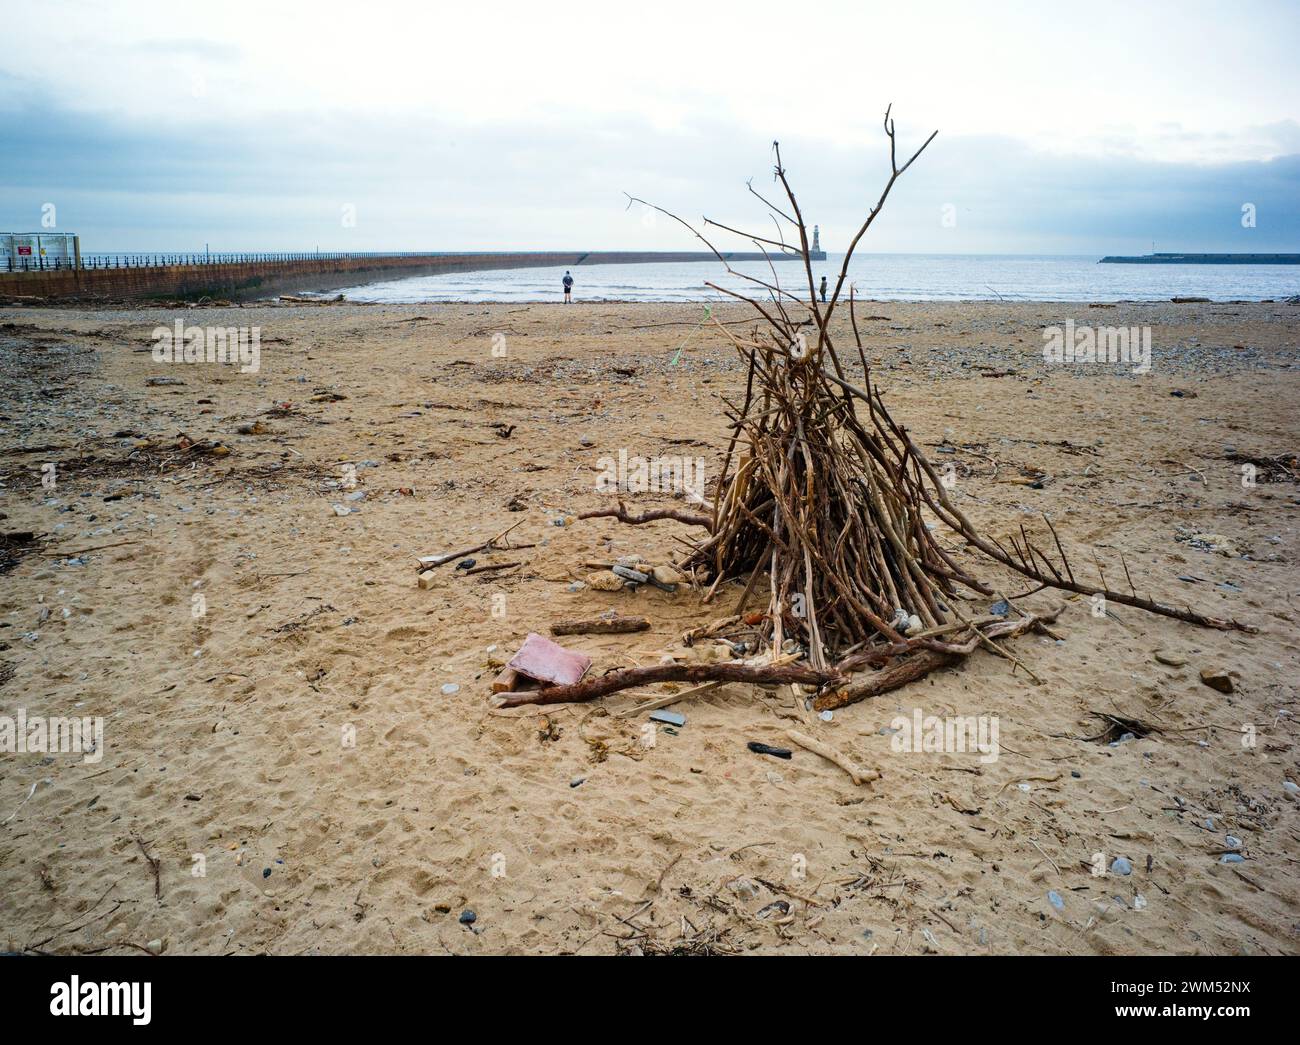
(568, 289)
(823, 288)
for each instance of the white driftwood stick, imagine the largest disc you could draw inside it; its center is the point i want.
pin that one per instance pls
(857, 773)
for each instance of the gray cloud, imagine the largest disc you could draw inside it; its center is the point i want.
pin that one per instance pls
(279, 182)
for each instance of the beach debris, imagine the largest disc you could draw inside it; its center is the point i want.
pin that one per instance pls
(1289, 788)
(1217, 678)
(1173, 660)
(430, 562)
(577, 781)
(506, 681)
(668, 718)
(1054, 898)
(1232, 858)
(600, 626)
(745, 888)
(605, 581)
(767, 749)
(341, 509)
(776, 907)
(1121, 865)
(467, 917)
(856, 773)
(426, 579)
(157, 382)
(546, 661)
(629, 574)
(449, 688)
(1208, 542)
(465, 564)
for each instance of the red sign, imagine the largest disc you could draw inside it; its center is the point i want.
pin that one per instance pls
(25, 252)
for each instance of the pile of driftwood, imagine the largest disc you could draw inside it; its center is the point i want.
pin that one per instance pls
(821, 511)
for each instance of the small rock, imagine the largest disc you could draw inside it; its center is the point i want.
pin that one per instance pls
(1217, 678)
(576, 781)
(1139, 902)
(1120, 865)
(745, 888)
(467, 917)
(1054, 898)
(1233, 842)
(1172, 659)
(449, 689)
(1290, 788)
(154, 946)
(1232, 858)
(667, 576)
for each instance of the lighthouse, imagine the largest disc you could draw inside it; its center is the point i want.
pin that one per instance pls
(816, 239)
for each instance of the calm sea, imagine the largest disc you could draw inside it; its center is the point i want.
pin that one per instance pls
(888, 277)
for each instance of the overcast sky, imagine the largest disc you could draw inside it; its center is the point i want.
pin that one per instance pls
(1063, 128)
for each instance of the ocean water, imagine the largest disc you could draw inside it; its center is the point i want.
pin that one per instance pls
(886, 277)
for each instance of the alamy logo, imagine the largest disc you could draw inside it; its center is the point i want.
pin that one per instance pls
(102, 999)
(52, 736)
(193, 344)
(955, 734)
(1071, 344)
(677, 475)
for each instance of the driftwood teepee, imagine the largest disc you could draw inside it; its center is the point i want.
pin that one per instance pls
(821, 510)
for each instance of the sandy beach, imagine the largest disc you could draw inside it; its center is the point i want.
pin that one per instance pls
(302, 738)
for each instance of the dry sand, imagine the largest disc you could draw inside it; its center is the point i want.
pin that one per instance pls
(224, 733)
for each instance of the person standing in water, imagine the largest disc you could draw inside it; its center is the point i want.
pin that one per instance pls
(823, 288)
(568, 288)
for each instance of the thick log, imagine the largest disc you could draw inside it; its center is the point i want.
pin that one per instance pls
(600, 626)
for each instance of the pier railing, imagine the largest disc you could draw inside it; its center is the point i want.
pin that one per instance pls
(154, 260)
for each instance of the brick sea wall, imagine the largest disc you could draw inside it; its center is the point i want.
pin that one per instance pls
(253, 279)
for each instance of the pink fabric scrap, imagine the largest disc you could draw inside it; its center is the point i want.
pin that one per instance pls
(540, 658)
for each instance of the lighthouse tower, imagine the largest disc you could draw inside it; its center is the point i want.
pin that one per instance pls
(816, 239)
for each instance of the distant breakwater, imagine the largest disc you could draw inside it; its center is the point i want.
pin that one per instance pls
(263, 277)
(1203, 259)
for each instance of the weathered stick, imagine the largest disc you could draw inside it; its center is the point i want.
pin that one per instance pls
(600, 626)
(856, 773)
(428, 562)
(909, 669)
(622, 515)
(669, 699)
(626, 678)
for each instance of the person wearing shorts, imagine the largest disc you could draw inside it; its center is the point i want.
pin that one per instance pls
(568, 289)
